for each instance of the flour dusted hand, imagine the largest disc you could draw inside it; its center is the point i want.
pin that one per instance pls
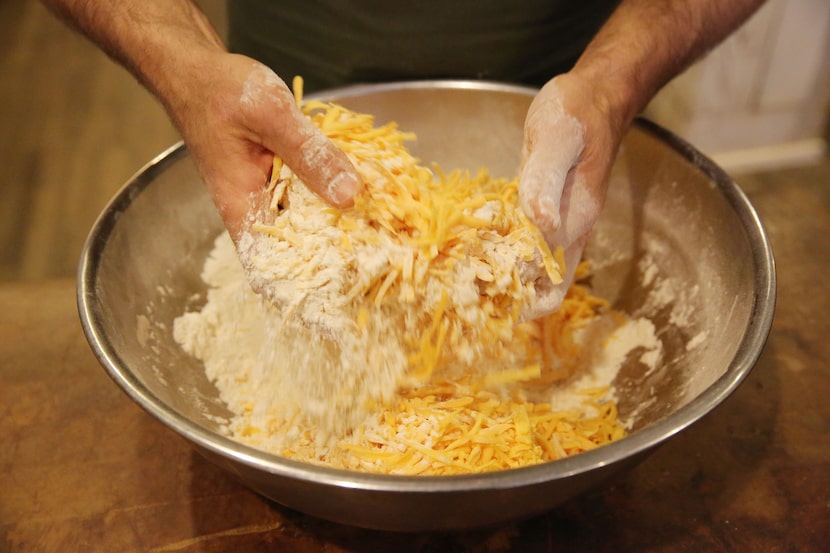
(569, 146)
(235, 119)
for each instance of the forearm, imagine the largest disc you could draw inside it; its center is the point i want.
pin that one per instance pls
(156, 40)
(646, 43)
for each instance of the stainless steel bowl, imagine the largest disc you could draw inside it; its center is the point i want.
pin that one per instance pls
(678, 242)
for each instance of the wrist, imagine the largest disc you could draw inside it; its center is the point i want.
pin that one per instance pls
(618, 88)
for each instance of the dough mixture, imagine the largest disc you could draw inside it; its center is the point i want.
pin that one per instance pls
(389, 337)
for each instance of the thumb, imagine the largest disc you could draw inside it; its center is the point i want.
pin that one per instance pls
(321, 165)
(287, 132)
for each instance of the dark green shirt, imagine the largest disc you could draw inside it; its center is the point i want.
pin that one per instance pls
(336, 42)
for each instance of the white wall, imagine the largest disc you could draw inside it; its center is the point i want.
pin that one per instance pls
(759, 100)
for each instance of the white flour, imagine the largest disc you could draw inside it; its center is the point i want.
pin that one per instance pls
(604, 361)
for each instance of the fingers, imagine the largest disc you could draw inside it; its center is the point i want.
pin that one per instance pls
(283, 129)
(580, 208)
(553, 143)
(320, 164)
(549, 297)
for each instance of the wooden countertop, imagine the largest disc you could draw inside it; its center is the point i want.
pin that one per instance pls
(84, 469)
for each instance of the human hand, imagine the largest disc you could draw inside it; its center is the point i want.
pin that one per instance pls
(235, 114)
(570, 140)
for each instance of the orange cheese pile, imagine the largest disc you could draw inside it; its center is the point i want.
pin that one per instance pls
(467, 426)
(446, 428)
(438, 230)
(472, 396)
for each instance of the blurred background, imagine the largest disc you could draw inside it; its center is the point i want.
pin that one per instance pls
(75, 126)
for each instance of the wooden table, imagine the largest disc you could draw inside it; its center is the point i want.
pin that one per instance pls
(84, 469)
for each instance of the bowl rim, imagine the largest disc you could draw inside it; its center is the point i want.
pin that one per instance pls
(746, 355)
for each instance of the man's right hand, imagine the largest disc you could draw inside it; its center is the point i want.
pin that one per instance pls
(235, 115)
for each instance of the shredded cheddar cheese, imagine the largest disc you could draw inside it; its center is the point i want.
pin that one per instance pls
(433, 227)
(396, 325)
(466, 426)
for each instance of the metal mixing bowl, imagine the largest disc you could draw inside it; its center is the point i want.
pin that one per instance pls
(678, 242)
